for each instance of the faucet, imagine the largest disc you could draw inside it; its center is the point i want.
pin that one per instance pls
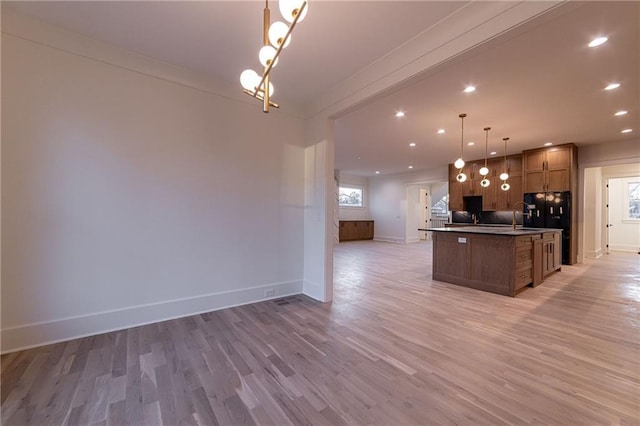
(515, 205)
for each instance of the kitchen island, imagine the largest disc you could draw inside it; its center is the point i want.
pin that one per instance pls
(497, 259)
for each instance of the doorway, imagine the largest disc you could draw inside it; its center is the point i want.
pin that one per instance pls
(609, 224)
(622, 214)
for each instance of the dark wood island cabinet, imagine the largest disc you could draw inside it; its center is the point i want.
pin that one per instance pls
(497, 260)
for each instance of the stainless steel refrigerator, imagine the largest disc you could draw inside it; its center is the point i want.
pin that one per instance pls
(550, 210)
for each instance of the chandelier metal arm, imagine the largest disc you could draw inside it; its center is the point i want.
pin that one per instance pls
(260, 97)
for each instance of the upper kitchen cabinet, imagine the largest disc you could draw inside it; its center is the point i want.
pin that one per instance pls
(456, 190)
(506, 199)
(549, 169)
(469, 187)
(493, 198)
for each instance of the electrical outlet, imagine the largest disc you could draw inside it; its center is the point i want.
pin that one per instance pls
(269, 292)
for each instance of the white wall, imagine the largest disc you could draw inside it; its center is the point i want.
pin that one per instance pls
(616, 159)
(593, 212)
(609, 153)
(395, 203)
(355, 213)
(128, 198)
(624, 235)
(319, 221)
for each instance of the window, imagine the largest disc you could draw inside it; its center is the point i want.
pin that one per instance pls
(350, 197)
(633, 196)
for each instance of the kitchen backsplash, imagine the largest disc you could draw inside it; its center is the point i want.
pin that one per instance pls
(488, 218)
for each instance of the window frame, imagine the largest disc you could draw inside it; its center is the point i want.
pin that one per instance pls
(356, 187)
(626, 200)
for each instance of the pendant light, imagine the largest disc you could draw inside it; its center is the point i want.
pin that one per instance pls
(275, 38)
(484, 171)
(459, 164)
(504, 175)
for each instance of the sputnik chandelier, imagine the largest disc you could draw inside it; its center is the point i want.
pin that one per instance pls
(276, 37)
(484, 171)
(459, 164)
(505, 175)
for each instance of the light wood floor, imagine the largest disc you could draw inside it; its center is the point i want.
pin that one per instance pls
(394, 348)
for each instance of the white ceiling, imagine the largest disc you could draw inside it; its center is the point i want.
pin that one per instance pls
(536, 83)
(222, 38)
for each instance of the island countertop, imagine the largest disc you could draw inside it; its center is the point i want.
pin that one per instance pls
(493, 230)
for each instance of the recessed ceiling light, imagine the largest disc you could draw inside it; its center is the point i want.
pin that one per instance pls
(359, 158)
(400, 114)
(548, 143)
(598, 41)
(471, 143)
(469, 89)
(619, 113)
(627, 131)
(440, 131)
(377, 172)
(612, 86)
(411, 167)
(492, 153)
(412, 144)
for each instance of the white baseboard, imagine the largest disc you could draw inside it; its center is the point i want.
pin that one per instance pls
(44, 333)
(314, 290)
(413, 240)
(623, 247)
(388, 239)
(593, 254)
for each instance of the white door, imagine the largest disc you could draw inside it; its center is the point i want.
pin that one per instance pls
(425, 213)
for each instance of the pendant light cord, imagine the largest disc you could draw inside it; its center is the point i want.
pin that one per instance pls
(462, 116)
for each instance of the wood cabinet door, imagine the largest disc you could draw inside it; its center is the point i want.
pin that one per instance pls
(474, 170)
(472, 187)
(559, 157)
(514, 164)
(455, 197)
(557, 251)
(534, 181)
(347, 231)
(547, 257)
(489, 201)
(496, 166)
(502, 198)
(533, 161)
(515, 192)
(365, 230)
(538, 267)
(558, 180)
(455, 191)
(552, 253)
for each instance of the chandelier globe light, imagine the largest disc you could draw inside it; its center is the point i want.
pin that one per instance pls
(277, 33)
(484, 171)
(266, 55)
(504, 175)
(275, 38)
(290, 10)
(459, 163)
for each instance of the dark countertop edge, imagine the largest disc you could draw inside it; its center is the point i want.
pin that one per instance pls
(492, 230)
